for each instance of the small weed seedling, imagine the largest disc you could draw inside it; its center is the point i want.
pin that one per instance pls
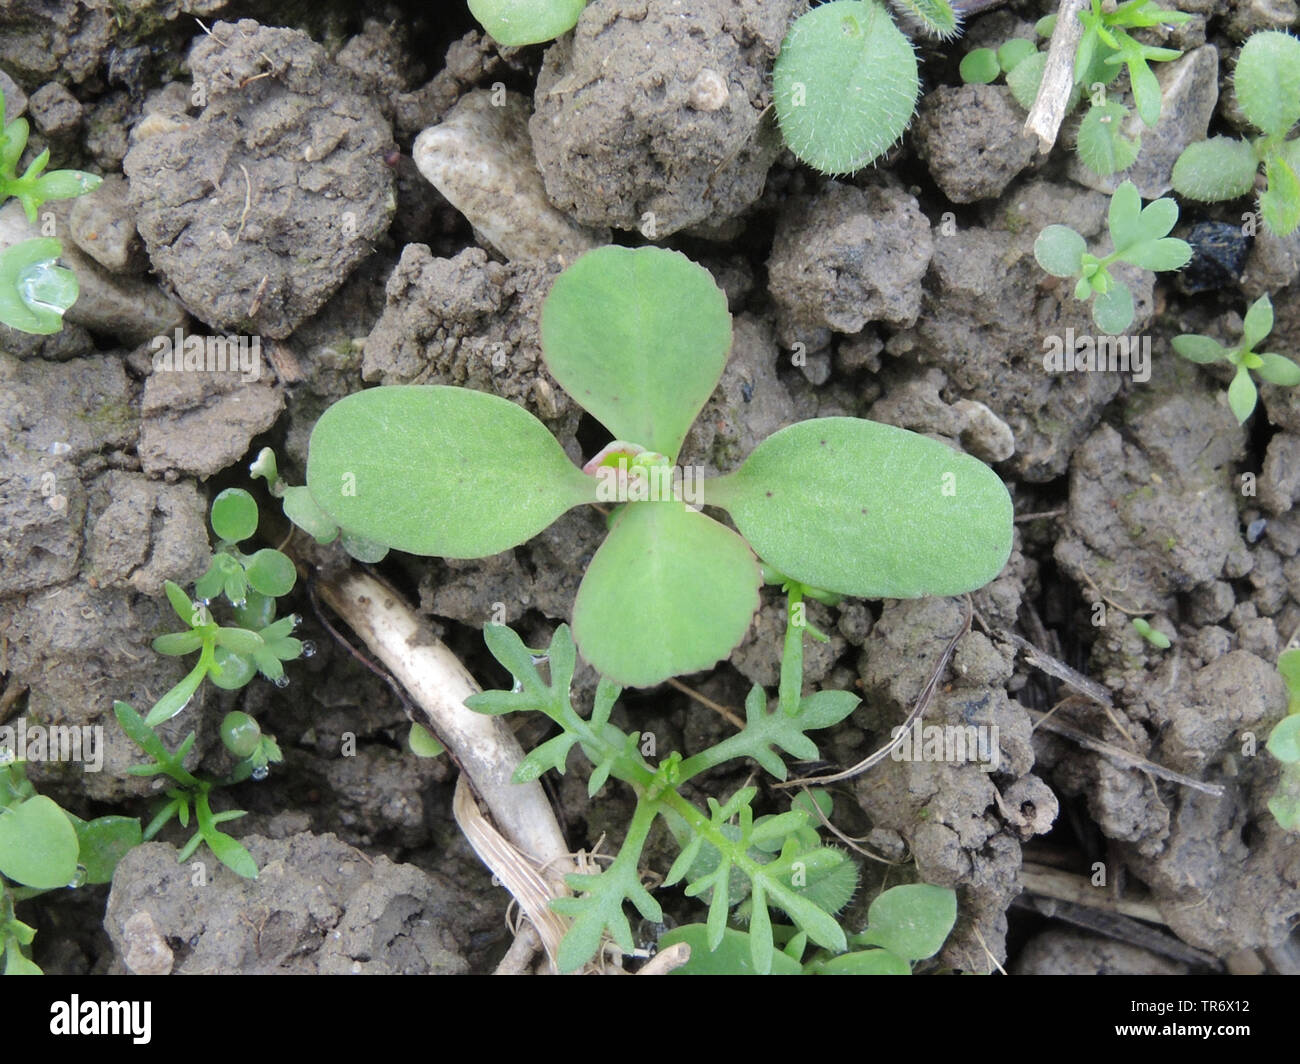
(905, 924)
(1267, 84)
(1275, 369)
(1156, 638)
(1284, 744)
(245, 741)
(1139, 235)
(515, 23)
(34, 290)
(845, 84)
(232, 656)
(43, 847)
(1106, 48)
(640, 338)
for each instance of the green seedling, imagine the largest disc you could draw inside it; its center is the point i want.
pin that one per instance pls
(1272, 368)
(1284, 744)
(515, 23)
(34, 290)
(1139, 235)
(845, 85)
(1267, 84)
(191, 794)
(231, 656)
(1156, 638)
(640, 338)
(43, 847)
(1105, 49)
(906, 924)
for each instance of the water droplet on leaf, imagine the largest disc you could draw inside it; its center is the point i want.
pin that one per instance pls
(79, 879)
(45, 286)
(261, 772)
(281, 682)
(308, 648)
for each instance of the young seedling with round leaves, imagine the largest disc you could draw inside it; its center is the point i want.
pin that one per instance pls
(1153, 636)
(845, 85)
(35, 291)
(1284, 744)
(44, 847)
(1139, 236)
(982, 66)
(1267, 85)
(640, 338)
(1274, 369)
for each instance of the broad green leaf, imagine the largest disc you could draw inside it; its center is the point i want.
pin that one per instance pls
(912, 921)
(1059, 250)
(1199, 349)
(845, 85)
(301, 509)
(1278, 369)
(1156, 220)
(1014, 52)
(866, 509)
(239, 640)
(980, 66)
(1101, 142)
(1267, 81)
(515, 23)
(423, 743)
(231, 853)
(234, 515)
(639, 338)
(231, 670)
(440, 471)
(669, 592)
(1284, 739)
(732, 957)
(1280, 202)
(1220, 168)
(1286, 811)
(38, 845)
(1241, 395)
(1258, 322)
(1024, 79)
(1113, 310)
(103, 842)
(1167, 253)
(270, 573)
(34, 290)
(864, 962)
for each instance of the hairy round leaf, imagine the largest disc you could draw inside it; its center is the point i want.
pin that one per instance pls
(440, 471)
(865, 509)
(270, 573)
(640, 338)
(844, 86)
(669, 592)
(913, 920)
(1220, 168)
(1101, 144)
(1024, 78)
(1284, 739)
(1059, 250)
(1267, 81)
(1279, 204)
(1113, 310)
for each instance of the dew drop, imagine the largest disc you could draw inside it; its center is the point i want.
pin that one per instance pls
(308, 648)
(518, 687)
(239, 604)
(79, 879)
(281, 682)
(45, 286)
(205, 602)
(540, 659)
(261, 772)
(296, 618)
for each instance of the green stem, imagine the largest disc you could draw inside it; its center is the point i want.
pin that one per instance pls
(791, 689)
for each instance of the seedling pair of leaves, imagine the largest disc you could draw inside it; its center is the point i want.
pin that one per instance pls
(34, 290)
(729, 857)
(1271, 368)
(905, 924)
(44, 847)
(231, 656)
(640, 338)
(516, 23)
(191, 794)
(1105, 49)
(1284, 744)
(1139, 236)
(1267, 84)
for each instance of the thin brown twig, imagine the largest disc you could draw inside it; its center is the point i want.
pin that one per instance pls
(704, 700)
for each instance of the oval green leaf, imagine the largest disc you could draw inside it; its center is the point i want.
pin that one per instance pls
(871, 510)
(270, 573)
(1267, 81)
(640, 338)
(912, 921)
(440, 471)
(732, 957)
(844, 86)
(1220, 168)
(1059, 250)
(1284, 739)
(669, 592)
(103, 842)
(234, 515)
(38, 844)
(515, 23)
